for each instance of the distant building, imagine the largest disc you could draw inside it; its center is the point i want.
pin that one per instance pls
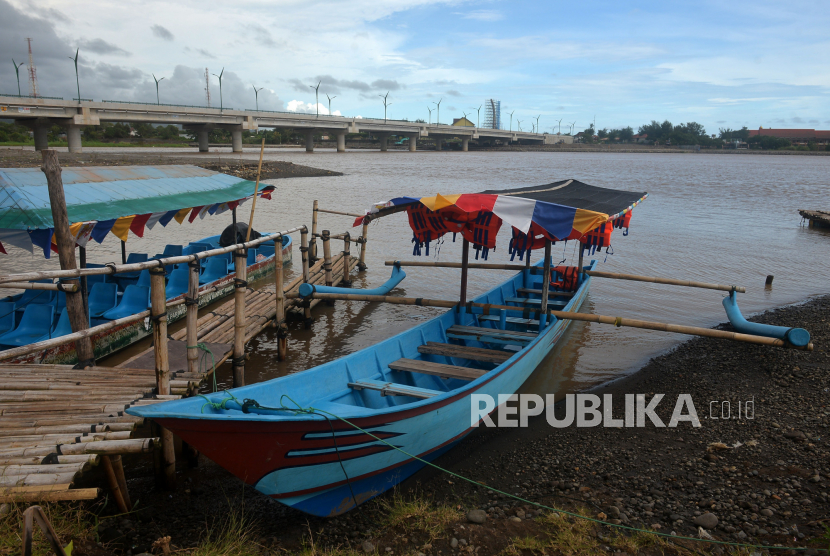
(463, 122)
(797, 136)
(641, 138)
(492, 114)
(556, 138)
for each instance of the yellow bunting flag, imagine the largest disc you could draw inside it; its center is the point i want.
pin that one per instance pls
(121, 228)
(182, 214)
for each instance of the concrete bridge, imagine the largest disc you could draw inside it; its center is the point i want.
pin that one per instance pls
(41, 114)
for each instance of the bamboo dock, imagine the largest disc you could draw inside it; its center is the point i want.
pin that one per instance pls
(59, 423)
(816, 218)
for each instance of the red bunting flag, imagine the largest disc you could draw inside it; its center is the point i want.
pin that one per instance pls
(138, 223)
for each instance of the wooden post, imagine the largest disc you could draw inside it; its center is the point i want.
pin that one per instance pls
(279, 317)
(233, 223)
(581, 271)
(347, 255)
(192, 303)
(364, 237)
(123, 252)
(545, 287)
(83, 282)
(313, 254)
(327, 257)
(465, 261)
(158, 314)
(66, 254)
(118, 468)
(241, 285)
(305, 255)
(115, 487)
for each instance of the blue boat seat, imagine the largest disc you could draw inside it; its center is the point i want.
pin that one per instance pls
(135, 300)
(392, 389)
(252, 254)
(6, 316)
(132, 258)
(196, 247)
(266, 249)
(177, 283)
(490, 335)
(102, 298)
(59, 302)
(63, 327)
(34, 297)
(171, 251)
(526, 301)
(34, 326)
(215, 268)
(436, 369)
(144, 278)
(95, 279)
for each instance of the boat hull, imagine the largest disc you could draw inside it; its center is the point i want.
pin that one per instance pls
(110, 341)
(324, 466)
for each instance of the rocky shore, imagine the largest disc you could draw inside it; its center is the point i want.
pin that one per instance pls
(761, 478)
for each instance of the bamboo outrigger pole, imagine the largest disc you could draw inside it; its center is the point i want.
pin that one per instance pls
(594, 273)
(616, 321)
(256, 190)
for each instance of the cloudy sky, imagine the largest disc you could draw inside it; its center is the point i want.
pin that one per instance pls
(723, 64)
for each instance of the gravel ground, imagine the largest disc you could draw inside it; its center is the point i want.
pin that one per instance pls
(762, 480)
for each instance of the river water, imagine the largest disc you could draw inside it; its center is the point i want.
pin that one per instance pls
(730, 219)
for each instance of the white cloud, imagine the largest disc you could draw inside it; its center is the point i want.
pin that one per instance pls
(483, 15)
(309, 108)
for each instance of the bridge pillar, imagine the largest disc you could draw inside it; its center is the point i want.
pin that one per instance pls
(383, 142)
(202, 135)
(439, 143)
(413, 143)
(309, 141)
(236, 140)
(73, 138)
(465, 142)
(41, 133)
(341, 142)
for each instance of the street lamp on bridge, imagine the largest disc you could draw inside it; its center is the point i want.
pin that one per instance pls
(478, 117)
(157, 87)
(77, 80)
(330, 99)
(511, 121)
(385, 105)
(559, 123)
(317, 97)
(438, 113)
(519, 123)
(537, 122)
(428, 108)
(256, 96)
(17, 71)
(221, 73)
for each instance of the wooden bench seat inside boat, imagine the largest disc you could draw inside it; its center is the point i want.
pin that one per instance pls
(465, 352)
(551, 293)
(393, 389)
(551, 303)
(437, 369)
(489, 335)
(509, 320)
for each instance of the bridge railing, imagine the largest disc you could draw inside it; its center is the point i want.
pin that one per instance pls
(160, 105)
(30, 96)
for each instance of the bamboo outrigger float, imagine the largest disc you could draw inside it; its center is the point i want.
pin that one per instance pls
(316, 440)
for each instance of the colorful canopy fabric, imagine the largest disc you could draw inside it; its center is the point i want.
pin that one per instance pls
(566, 209)
(117, 200)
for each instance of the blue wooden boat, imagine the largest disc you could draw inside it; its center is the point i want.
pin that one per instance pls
(413, 390)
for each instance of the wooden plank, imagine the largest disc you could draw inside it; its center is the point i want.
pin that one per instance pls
(51, 495)
(177, 352)
(491, 331)
(550, 293)
(529, 301)
(393, 389)
(437, 369)
(509, 320)
(465, 352)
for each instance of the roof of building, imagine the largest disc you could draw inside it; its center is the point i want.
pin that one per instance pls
(791, 133)
(463, 122)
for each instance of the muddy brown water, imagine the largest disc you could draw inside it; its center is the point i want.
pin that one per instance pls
(724, 219)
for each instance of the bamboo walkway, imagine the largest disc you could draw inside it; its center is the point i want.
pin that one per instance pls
(216, 326)
(57, 423)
